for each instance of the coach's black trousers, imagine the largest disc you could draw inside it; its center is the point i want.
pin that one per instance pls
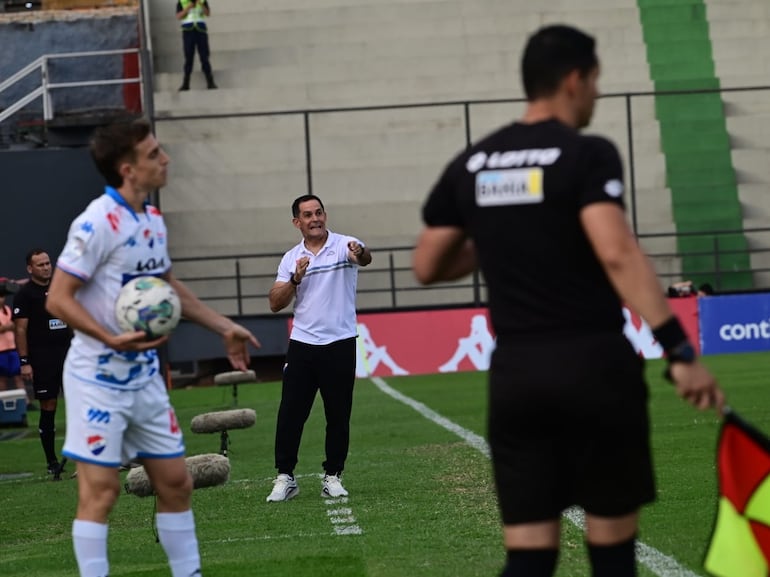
(330, 369)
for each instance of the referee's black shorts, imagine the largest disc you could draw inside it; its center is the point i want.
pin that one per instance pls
(568, 425)
(47, 376)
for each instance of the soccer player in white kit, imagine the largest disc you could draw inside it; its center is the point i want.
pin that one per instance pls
(118, 408)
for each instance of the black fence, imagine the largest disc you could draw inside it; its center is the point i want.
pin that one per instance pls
(467, 107)
(239, 284)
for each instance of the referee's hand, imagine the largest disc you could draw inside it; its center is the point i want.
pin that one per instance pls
(695, 384)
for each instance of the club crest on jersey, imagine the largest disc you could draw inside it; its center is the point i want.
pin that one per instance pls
(96, 444)
(508, 187)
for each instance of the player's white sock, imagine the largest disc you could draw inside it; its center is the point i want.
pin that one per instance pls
(90, 542)
(176, 532)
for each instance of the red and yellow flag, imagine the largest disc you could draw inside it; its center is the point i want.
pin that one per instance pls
(740, 541)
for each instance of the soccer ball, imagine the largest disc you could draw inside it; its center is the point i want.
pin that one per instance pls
(149, 304)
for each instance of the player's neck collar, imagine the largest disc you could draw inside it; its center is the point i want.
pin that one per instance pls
(117, 197)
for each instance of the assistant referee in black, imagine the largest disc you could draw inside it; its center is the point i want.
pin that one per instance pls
(42, 341)
(538, 207)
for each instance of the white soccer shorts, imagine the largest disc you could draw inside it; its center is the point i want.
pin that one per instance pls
(107, 426)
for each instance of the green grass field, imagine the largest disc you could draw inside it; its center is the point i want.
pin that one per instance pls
(421, 499)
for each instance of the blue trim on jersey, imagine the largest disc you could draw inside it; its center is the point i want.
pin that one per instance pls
(74, 457)
(115, 195)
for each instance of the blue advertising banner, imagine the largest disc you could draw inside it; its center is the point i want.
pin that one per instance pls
(734, 323)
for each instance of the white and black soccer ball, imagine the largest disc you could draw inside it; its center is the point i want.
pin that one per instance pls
(149, 304)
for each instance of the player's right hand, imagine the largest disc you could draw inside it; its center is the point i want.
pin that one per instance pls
(237, 341)
(695, 384)
(135, 341)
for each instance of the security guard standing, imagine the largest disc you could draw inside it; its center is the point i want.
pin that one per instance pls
(193, 14)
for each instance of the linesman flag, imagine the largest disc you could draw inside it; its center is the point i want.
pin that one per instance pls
(740, 541)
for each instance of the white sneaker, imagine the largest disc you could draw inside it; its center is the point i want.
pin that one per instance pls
(284, 488)
(332, 487)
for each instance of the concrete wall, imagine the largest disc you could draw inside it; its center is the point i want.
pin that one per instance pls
(42, 191)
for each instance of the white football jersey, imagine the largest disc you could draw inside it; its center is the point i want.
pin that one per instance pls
(109, 244)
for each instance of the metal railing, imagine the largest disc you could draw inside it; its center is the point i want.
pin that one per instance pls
(41, 66)
(239, 284)
(465, 111)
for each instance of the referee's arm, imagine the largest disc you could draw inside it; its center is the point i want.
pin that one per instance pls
(635, 280)
(443, 253)
(626, 265)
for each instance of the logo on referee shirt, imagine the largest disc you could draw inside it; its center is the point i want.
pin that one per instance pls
(507, 187)
(613, 188)
(512, 159)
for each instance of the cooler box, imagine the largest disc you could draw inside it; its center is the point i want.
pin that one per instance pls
(13, 407)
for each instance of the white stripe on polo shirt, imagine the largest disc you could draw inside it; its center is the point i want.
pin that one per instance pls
(325, 306)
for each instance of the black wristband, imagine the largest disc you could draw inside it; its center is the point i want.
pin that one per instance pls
(293, 281)
(23, 361)
(670, 335)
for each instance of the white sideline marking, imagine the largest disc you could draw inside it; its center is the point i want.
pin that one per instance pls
(348, 530)
(349, 519)
(14, 477)
(342, 519)
(345, 511)
(659, 563)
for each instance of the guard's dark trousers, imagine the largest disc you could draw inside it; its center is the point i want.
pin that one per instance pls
(196, 40)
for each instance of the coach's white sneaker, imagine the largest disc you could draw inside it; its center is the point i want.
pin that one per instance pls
(284, 488)
(332, 487)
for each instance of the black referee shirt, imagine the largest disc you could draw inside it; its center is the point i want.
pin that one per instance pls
(518, 193)
(45, 334)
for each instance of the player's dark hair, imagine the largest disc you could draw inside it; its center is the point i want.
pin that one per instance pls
(33, 253)
(113, 144)
(551, 54)
(300, 200)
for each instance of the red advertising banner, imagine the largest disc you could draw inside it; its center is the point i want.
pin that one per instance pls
(639, 333)
(423, 342)
(452, 340)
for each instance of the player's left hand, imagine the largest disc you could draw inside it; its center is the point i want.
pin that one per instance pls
(237, 340)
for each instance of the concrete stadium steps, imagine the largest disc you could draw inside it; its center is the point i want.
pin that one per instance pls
(227, 231)
(232, 180)
(739, 31)
(360, 159)
(699, 167)
(342, 54)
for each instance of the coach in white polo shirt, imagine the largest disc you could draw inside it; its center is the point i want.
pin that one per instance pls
(321, 272)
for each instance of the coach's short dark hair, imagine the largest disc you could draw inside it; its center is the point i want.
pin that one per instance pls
(300, 200)
(113, 144)
(551, 54)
